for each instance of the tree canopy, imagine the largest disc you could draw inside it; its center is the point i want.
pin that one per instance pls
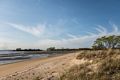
(105, 42)
(51, 49)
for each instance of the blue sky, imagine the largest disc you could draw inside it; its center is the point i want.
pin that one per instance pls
(59, 23)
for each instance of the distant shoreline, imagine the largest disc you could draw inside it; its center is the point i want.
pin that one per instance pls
(21, 59)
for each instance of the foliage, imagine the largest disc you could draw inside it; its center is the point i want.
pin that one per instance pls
(51, 49)
(107, 42)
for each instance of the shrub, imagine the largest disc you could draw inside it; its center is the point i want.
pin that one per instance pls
(109, 68)
(37, 78)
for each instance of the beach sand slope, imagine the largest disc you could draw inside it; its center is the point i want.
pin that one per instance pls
(44, 69)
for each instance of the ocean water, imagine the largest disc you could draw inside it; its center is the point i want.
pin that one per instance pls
(15, 56)
(7, 52)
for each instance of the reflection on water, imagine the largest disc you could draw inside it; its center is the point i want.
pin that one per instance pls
(15, 56)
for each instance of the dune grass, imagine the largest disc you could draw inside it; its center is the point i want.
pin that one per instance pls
(108, 68)
(37, 78)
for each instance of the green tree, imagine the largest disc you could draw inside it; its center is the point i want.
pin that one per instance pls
(107, 42)
(51, 49)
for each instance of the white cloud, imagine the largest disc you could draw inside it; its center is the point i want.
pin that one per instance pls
(7, 43)
(115, 28)
(78, 41)
(34, 30)
(41, 30)
(101, 29)
(71, 41)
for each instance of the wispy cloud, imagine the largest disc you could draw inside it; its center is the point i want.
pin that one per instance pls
(70, 41)
(101, 29)
(41, 30)
(77, 41)
(34, 30)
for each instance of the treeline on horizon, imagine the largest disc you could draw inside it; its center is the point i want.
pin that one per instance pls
(20, 49)
(53, 49)
(101, 43)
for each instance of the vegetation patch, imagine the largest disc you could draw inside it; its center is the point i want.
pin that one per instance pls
(109, 68)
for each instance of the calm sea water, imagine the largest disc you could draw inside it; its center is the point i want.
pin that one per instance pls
(15, 56)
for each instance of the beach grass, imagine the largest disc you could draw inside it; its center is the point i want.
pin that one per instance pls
(105, 66)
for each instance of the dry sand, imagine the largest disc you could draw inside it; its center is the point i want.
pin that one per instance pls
(45, 69)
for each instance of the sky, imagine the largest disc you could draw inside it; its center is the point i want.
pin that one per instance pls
(57, 23)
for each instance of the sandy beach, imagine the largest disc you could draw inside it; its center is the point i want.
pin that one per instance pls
(45, 69)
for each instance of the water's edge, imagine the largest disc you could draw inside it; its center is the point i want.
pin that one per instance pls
(8, 57)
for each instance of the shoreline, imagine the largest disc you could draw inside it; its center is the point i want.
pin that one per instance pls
(47, 54)
(24, 68)
(22, 60)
